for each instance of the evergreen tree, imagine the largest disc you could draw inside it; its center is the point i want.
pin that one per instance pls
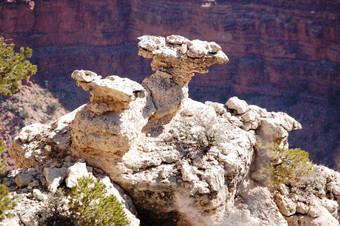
(14, 67)
(90, 205)
(284, 166)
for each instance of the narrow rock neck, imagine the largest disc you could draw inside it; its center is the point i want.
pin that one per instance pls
(174, 60)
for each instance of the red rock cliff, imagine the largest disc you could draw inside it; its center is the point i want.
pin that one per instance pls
(284, 55)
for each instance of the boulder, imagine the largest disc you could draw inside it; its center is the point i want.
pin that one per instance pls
(75, 172)
(240, 106)
(24, 178)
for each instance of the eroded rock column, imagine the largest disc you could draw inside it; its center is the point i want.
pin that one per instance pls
(174, 60)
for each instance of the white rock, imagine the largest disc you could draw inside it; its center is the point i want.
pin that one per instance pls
(214, 47)
(176, 39)
(84, 76)
(187, 172)
(240, 106)
(283, 189)
(215, 178)
(28, 219)
(219, 108)
(331, 205)
(197, 48)
(155, 142)
(260, 203)
(151, 43)
(314, 211)
(38, 195)
(75, 172)
(286, 206)
(128, 207)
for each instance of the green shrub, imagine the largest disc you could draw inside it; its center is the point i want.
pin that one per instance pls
(55, 211)
(2, 158)
(6, 202)
(284, 166)
(201, 136)
(14, 67)
(90, 205)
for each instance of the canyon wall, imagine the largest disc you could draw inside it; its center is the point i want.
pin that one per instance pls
(284, 56)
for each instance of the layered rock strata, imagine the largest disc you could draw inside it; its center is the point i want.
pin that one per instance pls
(179, 159)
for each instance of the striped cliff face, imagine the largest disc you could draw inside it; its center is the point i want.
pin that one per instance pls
(284, 56)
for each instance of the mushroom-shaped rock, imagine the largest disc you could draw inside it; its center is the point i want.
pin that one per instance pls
(175, 59)
(178, 55)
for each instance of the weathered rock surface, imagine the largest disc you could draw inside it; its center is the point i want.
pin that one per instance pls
(175, 59)
(33, 203)
(54, 177)
(177, 157)
(285, 55)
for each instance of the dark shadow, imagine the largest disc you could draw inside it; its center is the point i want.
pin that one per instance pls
(155, 127)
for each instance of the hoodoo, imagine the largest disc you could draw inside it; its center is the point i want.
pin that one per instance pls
(181, 160)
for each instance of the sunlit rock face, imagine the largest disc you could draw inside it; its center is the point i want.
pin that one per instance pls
(285, 55)
(179, 159)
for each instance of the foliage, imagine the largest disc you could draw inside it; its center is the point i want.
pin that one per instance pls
(2, 158)
(55, 212)
(202, 136)
(6, 202)
(90, 205)
(14, 67)
(285, 166)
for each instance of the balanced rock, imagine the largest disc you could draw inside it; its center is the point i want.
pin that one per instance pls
(180, 160)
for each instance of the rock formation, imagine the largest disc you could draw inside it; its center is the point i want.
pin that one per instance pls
(285, 55)
(180, 160)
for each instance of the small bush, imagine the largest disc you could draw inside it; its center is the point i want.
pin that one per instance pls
(90, 205)
(56, 212)
(2, 158)
(284, 166)
(6, 202)
(202, 136)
